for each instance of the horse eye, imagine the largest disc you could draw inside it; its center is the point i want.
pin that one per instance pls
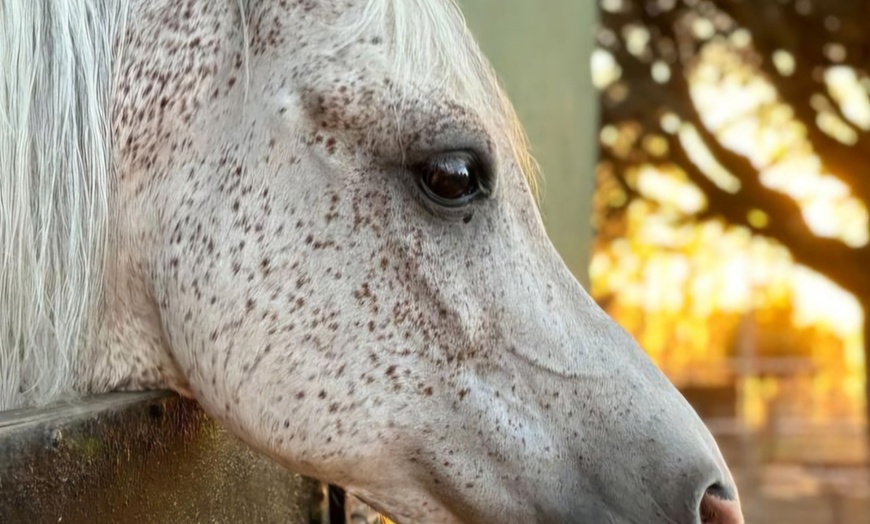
(451, 179)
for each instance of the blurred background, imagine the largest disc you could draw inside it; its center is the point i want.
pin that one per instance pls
(707, 178)
(731, 229)
(725, 146)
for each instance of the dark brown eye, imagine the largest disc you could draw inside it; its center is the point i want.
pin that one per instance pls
(450, 179)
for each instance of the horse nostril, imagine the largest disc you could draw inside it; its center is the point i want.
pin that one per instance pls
(718, 506)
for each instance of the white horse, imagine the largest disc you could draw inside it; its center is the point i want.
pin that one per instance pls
(313, 216)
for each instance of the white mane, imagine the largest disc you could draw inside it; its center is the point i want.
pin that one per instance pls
(55, 185)
(56, 162)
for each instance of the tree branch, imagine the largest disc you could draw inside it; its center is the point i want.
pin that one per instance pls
(842, 264)
(774, 27)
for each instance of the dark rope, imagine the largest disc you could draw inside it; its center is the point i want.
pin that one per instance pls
(337, 511)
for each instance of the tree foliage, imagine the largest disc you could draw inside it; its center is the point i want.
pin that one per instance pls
(796, 46)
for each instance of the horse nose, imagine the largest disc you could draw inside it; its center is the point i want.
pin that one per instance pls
(699, 494)
(684, 477)
(704, 503)
(719, 506)
(716, 503)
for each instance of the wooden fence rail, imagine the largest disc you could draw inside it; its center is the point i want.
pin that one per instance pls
(140, 457)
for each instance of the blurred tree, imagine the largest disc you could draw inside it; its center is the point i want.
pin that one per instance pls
(814, 53)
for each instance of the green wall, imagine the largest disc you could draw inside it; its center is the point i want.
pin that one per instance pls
(541, 51)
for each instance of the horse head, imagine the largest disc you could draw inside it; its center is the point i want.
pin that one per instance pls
(324, 231)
